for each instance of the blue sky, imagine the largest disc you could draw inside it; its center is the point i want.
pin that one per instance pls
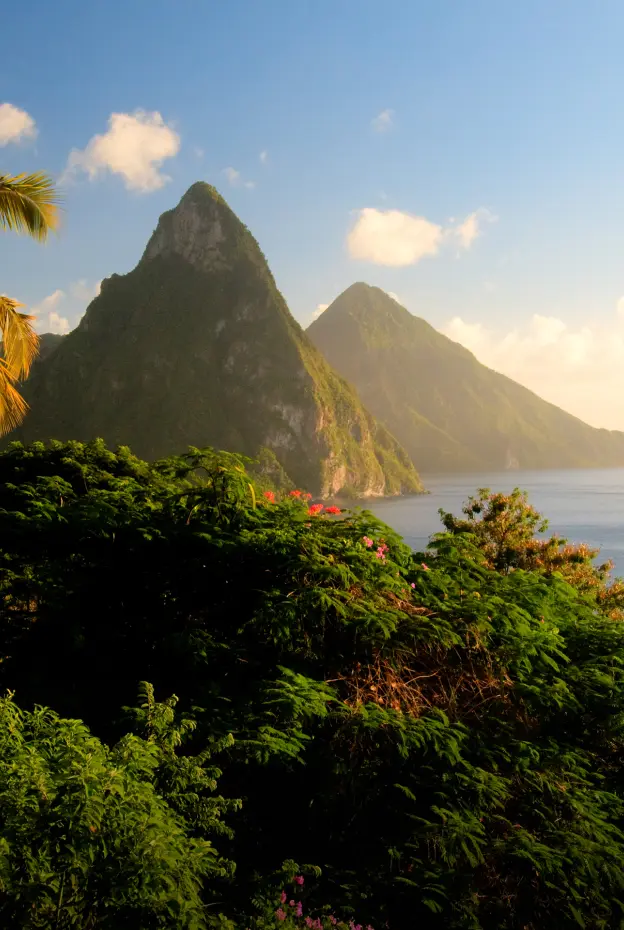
(509, 113)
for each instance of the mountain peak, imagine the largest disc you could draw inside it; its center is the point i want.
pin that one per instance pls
(449, 412)
(203, 230)
(197, 346)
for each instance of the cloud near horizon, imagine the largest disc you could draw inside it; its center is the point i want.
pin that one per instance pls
(72, 305)
(397, 239)
(134, 147)
(15, 125)
(579, 369)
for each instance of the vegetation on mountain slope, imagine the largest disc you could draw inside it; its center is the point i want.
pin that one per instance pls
(196, 346)
(436, 738)
(449, 412)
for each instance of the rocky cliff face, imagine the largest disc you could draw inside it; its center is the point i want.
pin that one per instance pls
(450, 412)
(196, 346)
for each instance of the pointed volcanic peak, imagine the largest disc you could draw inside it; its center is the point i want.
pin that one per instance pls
(196, 346)
(449, 411)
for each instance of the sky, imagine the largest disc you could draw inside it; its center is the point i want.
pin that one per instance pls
(465, 155)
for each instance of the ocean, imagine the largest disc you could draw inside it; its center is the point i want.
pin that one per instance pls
(581, 505)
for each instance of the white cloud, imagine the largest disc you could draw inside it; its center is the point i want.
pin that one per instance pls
(198, 152)
(264, 157)
(84, 292)
(15, 124)
(397, 239)
(579, 369)
(320, 308)
(235, 179)
(470, 229)
(390, 237)
(48, 318)
(383, 121)
(134, 147)
(233, 176)
(72, 303)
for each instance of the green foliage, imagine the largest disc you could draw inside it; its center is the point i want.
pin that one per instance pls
(441, 738)
(448, 411)
(87, 838)
(505, 527)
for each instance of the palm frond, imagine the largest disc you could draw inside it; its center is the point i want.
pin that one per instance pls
(20, 343)
(13, 407)
(29, 204)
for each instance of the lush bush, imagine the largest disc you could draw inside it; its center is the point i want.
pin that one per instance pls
(87, 838)
(439, 735)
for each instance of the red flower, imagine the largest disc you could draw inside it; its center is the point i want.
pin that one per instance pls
(333, 510)
(295, 493)
(314, 509)
(307, 497)
(270, 496)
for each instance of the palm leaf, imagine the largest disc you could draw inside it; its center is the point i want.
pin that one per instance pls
(20, 343)
(29, 204)
(13, 407)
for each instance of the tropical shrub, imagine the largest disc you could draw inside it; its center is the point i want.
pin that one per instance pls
(439, 736)
(511, 534)
(87, 838)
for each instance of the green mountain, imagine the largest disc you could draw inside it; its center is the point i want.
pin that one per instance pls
(48, 343)
(448, 410)
(196, 346)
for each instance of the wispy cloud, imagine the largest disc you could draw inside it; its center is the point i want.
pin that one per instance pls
(235, 178)
(15, 125)
(134, 147)
(320, 308)
(383, 121)
(48, 318)
(61, 311)
(471, 228)
(264, 157)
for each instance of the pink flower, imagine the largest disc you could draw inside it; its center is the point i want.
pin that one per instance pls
(368, 542)
(299, 879)
(270, 496)
(291, 904)
(313, 509)
(280, 914)
(426, 567)
(283, 897)
(413, 584)
(299, 910)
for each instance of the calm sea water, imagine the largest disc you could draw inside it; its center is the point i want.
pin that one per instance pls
(584, 506)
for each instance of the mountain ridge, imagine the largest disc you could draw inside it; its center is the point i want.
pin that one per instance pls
(449, 411)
